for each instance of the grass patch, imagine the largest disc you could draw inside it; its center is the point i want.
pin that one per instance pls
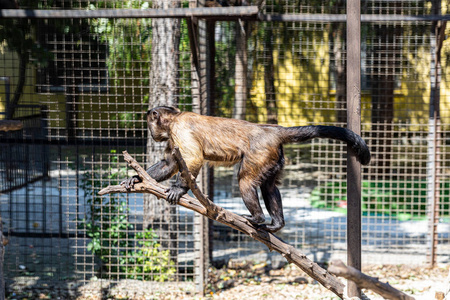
(402, 199)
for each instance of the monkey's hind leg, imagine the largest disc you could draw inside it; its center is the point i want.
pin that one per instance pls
(250, 196)
(272, 200)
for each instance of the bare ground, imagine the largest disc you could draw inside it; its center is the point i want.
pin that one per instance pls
(247, 282)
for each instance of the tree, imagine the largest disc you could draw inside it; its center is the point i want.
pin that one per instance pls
(242, 31)
(158, 58)
(340, 65)
(269, 78)
(383, 79)
(163, 90)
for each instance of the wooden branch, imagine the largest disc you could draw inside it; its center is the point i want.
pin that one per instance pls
(150, 186)
(207, 208)
(10, 125)
(338, 268)
(190, 179)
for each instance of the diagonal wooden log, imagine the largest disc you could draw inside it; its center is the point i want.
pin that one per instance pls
(338, 268)
(207, 208)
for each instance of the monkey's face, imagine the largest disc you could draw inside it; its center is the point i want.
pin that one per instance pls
(158, 129)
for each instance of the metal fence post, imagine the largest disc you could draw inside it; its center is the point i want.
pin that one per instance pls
(433, 162)
(354, 123)
(202, 32)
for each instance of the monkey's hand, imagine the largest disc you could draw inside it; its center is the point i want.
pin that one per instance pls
(129, 182)
(174, 193)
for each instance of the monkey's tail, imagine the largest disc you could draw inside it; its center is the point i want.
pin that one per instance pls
(305, 133)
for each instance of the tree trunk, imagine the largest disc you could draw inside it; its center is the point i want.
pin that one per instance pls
(240, 99)
(23, 63)
(159, 215)
(385, 62)
(341, 71)
(269, 78)
(241, 71)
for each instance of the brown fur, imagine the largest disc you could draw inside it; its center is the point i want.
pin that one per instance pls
(221, 141)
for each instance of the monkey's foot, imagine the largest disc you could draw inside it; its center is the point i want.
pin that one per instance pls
(272, 228)
(255, 220)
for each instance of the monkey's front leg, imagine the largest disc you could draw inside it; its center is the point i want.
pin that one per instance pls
(177, 190)
(160, 171)
(181, 187)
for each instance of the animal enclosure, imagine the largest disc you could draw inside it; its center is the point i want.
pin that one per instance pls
(88, 71)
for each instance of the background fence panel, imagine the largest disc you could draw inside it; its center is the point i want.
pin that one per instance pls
(84, 99)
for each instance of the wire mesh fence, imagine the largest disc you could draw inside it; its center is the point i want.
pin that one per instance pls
(91, 81)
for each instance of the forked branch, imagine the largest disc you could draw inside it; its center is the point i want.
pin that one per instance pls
(338, 268)
(207, 208)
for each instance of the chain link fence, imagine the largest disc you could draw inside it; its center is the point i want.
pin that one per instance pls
(88, 82)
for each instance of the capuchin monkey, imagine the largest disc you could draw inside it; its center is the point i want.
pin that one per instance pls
(257, 148)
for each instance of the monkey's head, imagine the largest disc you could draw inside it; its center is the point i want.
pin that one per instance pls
(159, 120)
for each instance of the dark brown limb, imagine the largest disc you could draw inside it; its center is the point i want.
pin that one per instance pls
(190, 179)
(150, 186)
(207, 208)
(338, 268)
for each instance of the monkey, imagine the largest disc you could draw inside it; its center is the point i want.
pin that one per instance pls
(257, 148)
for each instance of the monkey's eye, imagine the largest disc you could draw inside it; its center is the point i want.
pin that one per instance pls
(148, 112)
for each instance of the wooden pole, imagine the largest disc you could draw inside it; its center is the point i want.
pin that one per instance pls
(353, 123)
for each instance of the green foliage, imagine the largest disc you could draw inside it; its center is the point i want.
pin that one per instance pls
(113, 238)
(128, 120)
(128, 40)
(401, 199)
(130, 48)
(18, 35)
(225, 65)
(184, 81)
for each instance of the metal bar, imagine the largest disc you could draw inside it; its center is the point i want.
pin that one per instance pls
(433, 163)
(120, 142)
(199, 12)
(250, 12)
(343, 18)
(353, 123)
(403, 18)
(200, 38)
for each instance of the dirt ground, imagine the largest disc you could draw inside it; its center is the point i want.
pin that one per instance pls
(247, 282)
(292, 283)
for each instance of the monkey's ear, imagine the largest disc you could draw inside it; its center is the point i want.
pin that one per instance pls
(152, 114)
(155, 114)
